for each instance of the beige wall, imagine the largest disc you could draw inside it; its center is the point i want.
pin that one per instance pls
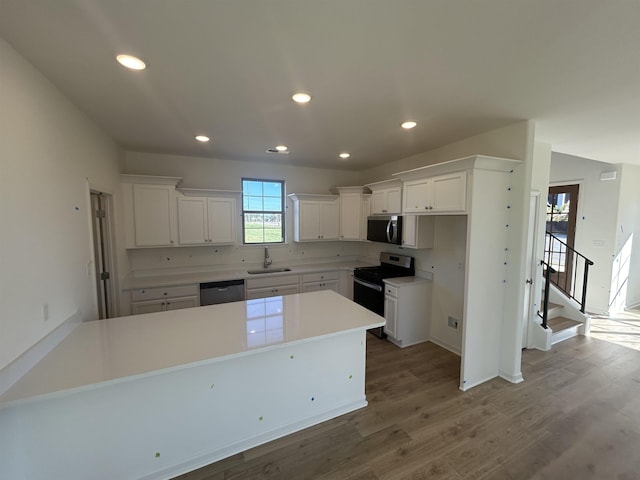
(48, 149)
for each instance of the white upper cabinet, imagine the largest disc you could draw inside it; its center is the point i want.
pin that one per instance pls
(192, 221)
(207, 220)
(438, 194)
(386, 197)
(417, 231)
(354, 209)
(149, 210)
(315, 217)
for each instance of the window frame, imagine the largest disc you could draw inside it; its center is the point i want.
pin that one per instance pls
(283, 208)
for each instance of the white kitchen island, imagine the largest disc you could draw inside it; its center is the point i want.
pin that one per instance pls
(153, 396)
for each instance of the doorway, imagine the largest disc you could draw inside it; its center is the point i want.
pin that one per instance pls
(101, 214)
(562, 208)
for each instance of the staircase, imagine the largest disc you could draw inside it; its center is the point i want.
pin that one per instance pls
(564, 321)
(561, 327)
(566, 273)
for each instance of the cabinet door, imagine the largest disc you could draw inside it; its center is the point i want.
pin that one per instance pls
(309, 220)
(379, 202)
(346, 284)
(192, 221)
(330, 218)
(350, 217)
(366, 211)
(416, 196)
(154, 306)
(394, 200)
(449, 192)
(391, 316)
(318, 286)
(409, 231)
(180, 303)
(221, 219)
(153, 216)
(275, 291)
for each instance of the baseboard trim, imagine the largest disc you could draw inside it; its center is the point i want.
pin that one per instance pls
(13, 372)
(216, 455)
(446, 346)
(517, 378)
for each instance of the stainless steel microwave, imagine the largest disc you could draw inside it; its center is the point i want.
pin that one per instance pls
(385, 229)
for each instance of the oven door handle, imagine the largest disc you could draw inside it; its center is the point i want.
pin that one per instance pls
(373, 286)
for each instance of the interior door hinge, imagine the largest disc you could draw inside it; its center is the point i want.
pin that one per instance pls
(105, 276)
(101, 214)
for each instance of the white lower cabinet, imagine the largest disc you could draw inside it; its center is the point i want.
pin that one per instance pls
(346, 284)
(272, 286)
(407, 310)
(313, 282)
(151, 300)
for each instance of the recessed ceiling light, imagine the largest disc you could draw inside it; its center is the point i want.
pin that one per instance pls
(301, 97)
(278, 149)
(202, 138)
(129, 61)
(408, 125)
(345, 155)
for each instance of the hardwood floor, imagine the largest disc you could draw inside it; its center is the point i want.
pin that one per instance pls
(576, 416)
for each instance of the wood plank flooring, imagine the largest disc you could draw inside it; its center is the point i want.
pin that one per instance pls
(576, 416)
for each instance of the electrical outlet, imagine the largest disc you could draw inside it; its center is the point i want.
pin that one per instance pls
(45, 312)
(452, 322)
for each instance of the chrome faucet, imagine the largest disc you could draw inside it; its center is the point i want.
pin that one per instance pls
(267, 261)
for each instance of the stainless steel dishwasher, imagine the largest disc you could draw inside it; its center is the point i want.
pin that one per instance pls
(212, 293)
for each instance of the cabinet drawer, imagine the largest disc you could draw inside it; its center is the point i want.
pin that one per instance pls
(269, 281)
(320, 276)
(391, 291)
(164, 292)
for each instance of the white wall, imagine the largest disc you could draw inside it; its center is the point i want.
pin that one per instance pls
(48, 150)
(512, 141)
(628, 230)
(198, 172)
(596, 219)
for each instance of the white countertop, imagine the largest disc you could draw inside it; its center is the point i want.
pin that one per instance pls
(124, 348)
(132, 282)
(399, 281)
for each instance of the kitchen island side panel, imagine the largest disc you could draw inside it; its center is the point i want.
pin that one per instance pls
(166, 424)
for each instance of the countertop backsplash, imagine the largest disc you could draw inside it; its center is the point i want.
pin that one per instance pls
(153, 261)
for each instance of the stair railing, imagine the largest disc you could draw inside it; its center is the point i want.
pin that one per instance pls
(548, 270)
(563, 263)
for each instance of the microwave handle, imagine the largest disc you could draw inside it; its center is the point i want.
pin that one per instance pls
(389, 231)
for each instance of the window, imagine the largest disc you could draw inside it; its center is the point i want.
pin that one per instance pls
(262, 211)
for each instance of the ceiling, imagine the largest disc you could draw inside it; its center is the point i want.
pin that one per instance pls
(228, 68)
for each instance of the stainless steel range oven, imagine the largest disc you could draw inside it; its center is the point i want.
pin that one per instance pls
(368, 285)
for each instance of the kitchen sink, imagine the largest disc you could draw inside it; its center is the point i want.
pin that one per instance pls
(268, 270)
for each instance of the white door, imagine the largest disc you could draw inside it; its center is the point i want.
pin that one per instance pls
(531, 289)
